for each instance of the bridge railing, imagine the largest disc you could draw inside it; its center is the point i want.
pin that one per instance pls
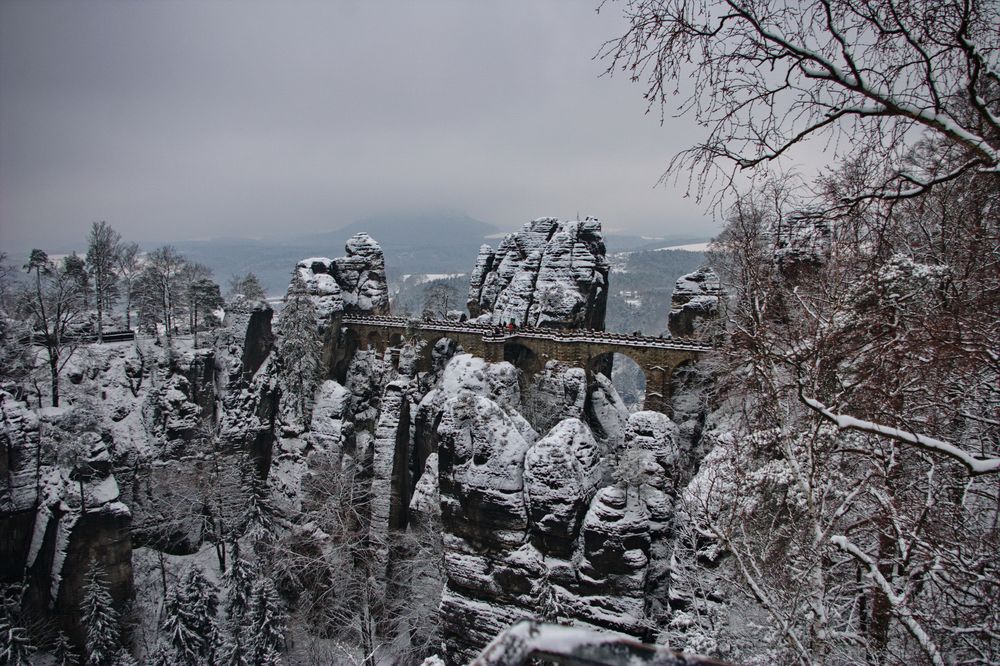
(494, 333)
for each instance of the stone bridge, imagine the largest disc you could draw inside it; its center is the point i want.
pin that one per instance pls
(527, 349)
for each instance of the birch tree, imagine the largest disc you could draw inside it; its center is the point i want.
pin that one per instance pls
(103, 246)
(54, 308)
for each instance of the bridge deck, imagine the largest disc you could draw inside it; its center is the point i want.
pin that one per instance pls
(489, 333)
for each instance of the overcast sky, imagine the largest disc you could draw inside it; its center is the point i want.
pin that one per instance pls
(181, 120)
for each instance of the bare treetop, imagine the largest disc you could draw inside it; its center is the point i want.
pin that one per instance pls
(863, 74)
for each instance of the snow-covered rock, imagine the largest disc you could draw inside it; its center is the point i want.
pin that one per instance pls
(562, 471)
(329, 412)
(557, 392)
(695, 299)
(481, 462)
(355, 282)
(804, 240)
(551, 273)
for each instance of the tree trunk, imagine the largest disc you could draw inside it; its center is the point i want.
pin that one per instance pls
(128, 308)
(54, 370)
(99, 297)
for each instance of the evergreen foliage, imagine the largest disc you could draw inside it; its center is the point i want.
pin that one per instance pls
(63, 652)
(298, 350)
(192, 634)
(257, 522)
(546, 602)
(100, 619)
(238, 581)
(267, 624)
(15, 647)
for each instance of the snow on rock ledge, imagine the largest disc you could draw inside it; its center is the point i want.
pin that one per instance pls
(551, 273)
(695, 298)
(352, 283)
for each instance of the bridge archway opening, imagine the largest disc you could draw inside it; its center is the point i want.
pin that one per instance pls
(349, 345)
(437, 352)
(374, 341)
(395, 344)
(523, 358)
(625, 373)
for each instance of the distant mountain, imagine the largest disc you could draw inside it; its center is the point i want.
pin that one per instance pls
(628, 243)
(418, 242)
(412, 242)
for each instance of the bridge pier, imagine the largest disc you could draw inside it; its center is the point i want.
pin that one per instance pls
(658, 389)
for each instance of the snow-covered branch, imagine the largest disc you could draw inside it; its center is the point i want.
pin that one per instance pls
(897, 602)
(974, 465)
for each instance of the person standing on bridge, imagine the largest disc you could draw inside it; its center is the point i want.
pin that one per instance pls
(511, 327)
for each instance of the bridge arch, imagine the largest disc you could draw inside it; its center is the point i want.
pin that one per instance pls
(374, 341)
(445, 351)
(523, 357)
(626, 373)
(349, 343)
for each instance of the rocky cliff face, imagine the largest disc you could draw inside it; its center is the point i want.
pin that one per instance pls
(353, 283)
(551, 273)
(695, 300)
(60, 514)
(539, 528)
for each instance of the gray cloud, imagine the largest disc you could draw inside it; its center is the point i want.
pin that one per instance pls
(177, 120)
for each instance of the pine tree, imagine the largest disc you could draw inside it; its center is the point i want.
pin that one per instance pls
(546, 602)
(267, 623)
(257, 522)
(192, 633)
(299, 351)
(125, 658)
(100, 619)
(238, 581)
(15, 647)
(63, 651)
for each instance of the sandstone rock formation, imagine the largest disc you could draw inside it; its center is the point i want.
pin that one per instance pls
(551, 273)
(695, 299)
(355, 282)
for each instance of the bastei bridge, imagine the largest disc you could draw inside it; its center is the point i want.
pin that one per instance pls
(527, 348)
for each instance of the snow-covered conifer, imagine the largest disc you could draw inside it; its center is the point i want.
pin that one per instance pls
(238, 581)
(124, 658)
(15, 647)
(192, 634)
(100, 620)
(257, 522)
(267, 623)
(299, 349)
(546, 602)
(63, 652)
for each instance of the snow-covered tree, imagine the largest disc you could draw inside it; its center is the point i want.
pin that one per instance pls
(257, 521)
(546, 602)
(63, 652)
(190, 621)
(100, 619)
(158, 288)
(128, 266)
(439, 298)
(103, 245)
(247, 287)
(864, 79)
(266, 624)
(54, 308)
(298, 351)
(15, 646)
(238, 581)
